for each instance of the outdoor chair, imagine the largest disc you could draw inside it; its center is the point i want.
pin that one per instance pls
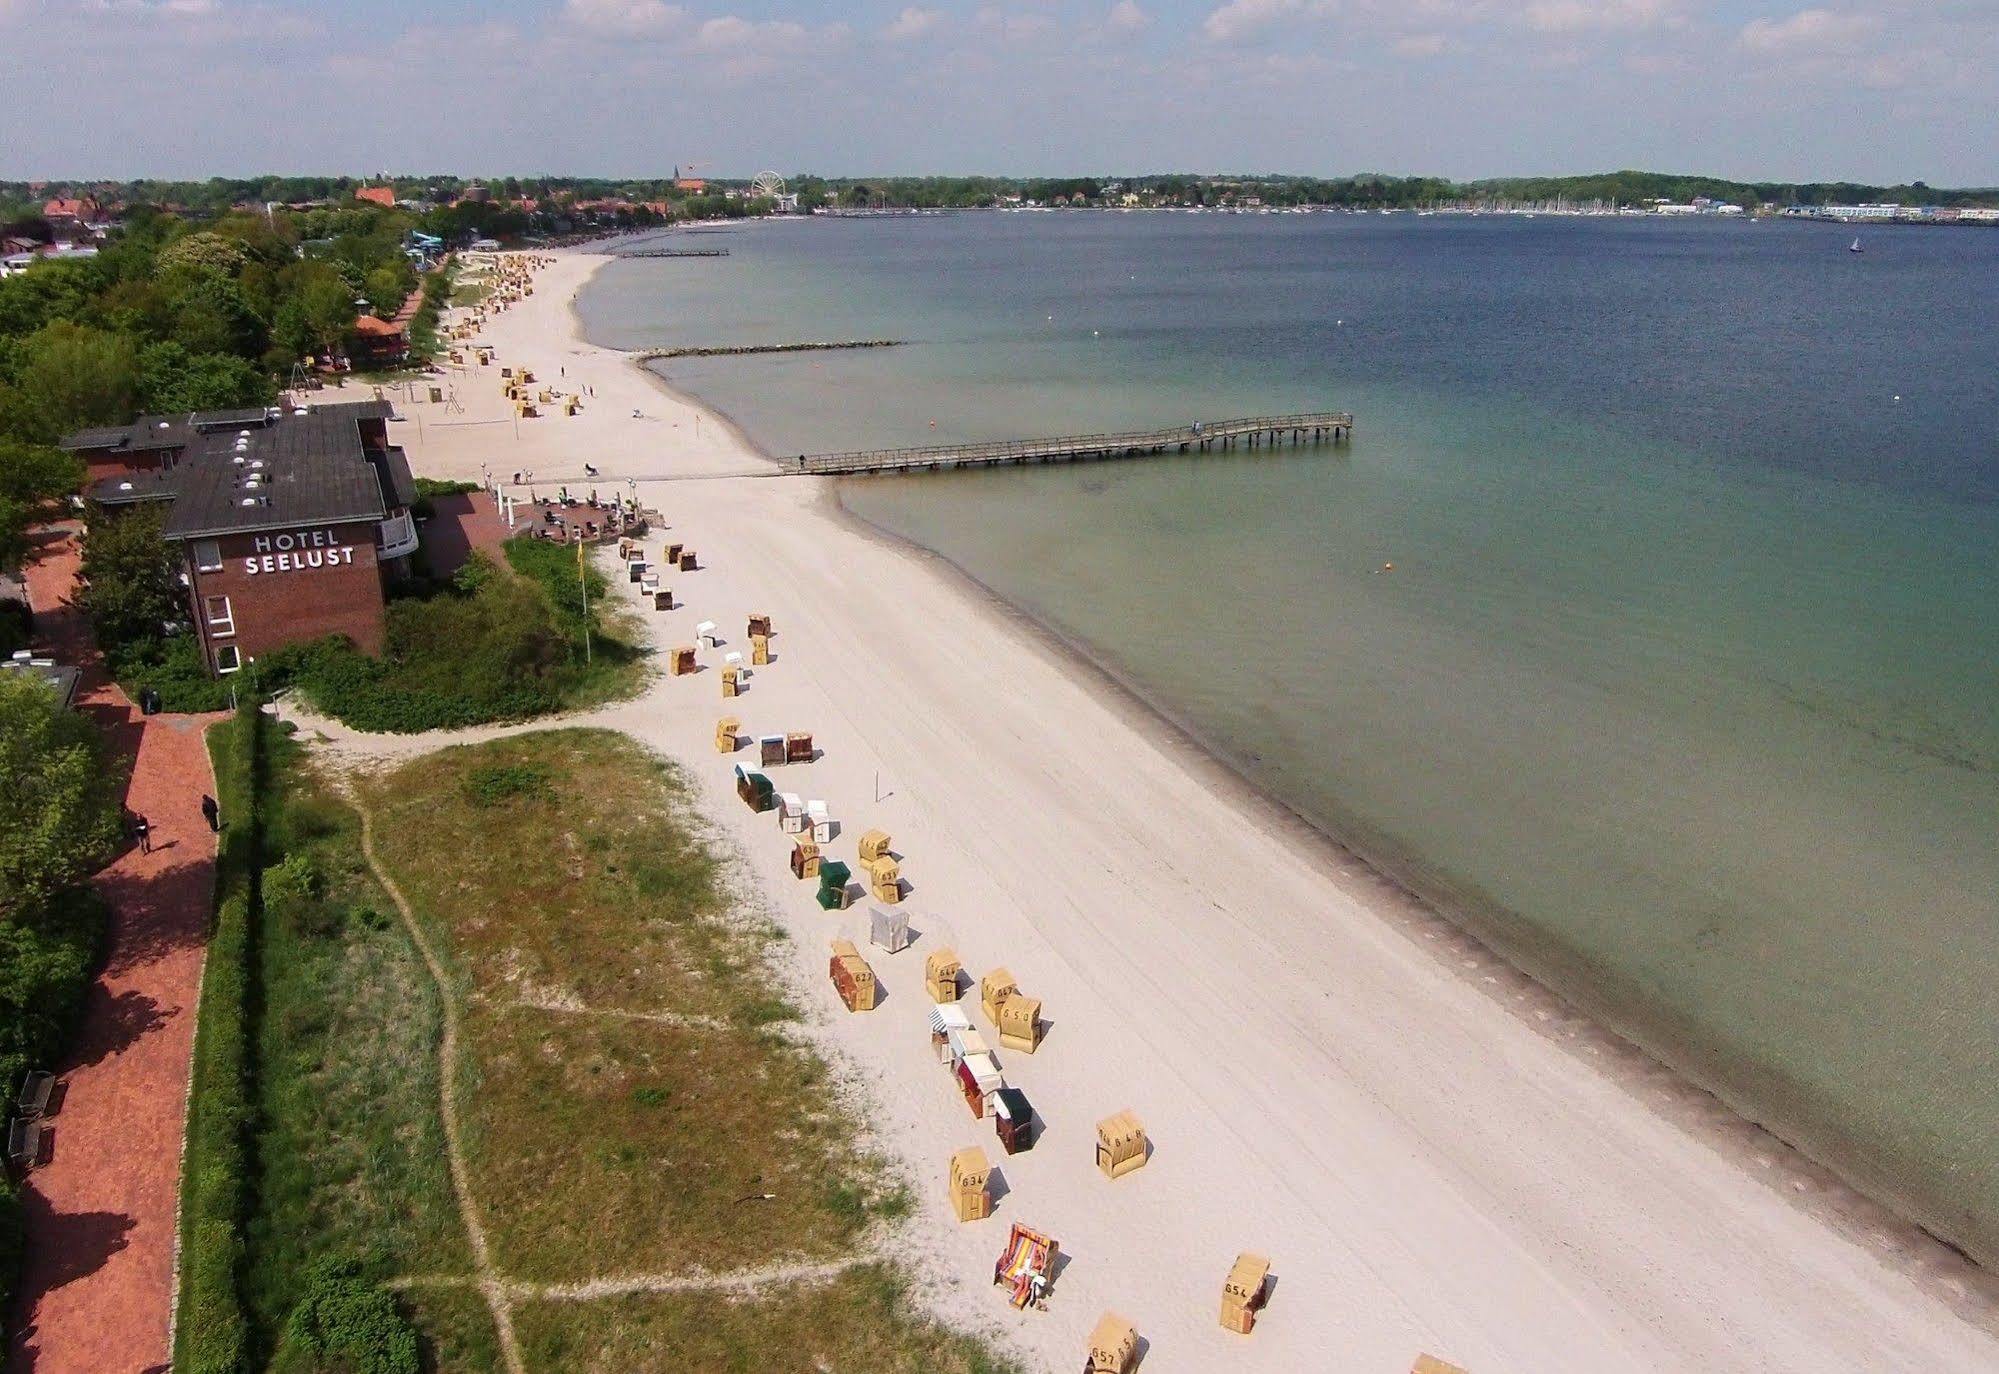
(25, 1142)
(36, 1090)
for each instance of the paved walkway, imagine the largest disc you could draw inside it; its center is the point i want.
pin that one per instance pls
(97, 1291)
(465, 523)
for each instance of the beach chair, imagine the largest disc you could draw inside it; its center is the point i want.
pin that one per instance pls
(971, 1198)
(1243, 1292)
(791, 814)
(705, 633)
(833, 894)
(1113, 1346)
(1026, 1266)
(888, 930)
(1013, 1120)
(940, 974)
(1121, 1144)
(822, 823)
(852, 978)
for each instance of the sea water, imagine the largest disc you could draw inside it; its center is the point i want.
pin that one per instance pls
(1649, 625)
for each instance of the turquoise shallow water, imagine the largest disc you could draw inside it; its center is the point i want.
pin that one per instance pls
(1684, 689)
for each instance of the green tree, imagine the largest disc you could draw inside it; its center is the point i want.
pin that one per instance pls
(211, 316)
(58, 809)
(385, 289)
(71, 375)
(132, 592)
(32, 476)
(171, 380)
(204, 252)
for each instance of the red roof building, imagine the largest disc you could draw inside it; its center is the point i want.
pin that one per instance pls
(377, 195)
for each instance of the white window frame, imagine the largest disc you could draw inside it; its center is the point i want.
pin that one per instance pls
(222, 626)
(235, 658)
(208, 555)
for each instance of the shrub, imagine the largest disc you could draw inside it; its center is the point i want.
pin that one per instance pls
(345, 1323)
(58, 805)
(212, 1332)
(172, 666)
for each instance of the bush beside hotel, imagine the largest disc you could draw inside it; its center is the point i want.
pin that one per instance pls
(211, 1334)
(494, 645)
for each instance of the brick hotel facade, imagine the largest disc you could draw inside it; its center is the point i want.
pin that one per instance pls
(289, 523)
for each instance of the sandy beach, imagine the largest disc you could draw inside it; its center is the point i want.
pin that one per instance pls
(1435, 1154)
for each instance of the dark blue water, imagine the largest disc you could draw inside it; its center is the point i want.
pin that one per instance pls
(1684, 688)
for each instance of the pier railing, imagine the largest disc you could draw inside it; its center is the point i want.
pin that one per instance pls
(1253, 431)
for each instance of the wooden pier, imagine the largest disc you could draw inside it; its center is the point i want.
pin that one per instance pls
(1262, 431)
(677, 253)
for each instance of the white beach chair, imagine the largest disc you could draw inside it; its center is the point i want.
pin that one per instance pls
(705, 632)
(790, 813)
(823, 825)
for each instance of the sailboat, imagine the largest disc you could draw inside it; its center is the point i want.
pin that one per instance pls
(1855, 247)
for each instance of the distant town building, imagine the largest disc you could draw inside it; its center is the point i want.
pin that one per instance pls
(289, 524)
(377, 195)
(694, 186)
(68, 217)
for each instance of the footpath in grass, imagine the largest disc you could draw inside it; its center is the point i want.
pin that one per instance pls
(628, 1089)
(622, 1047)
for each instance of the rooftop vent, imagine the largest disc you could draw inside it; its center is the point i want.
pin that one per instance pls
(249, 501)
(124, 486)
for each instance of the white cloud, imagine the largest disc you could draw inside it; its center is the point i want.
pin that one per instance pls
(1572, 16)
(1012, 26)
(912, 23)
(626, 18)
(1807, 32)
(1239, 20)
(730, 32)
(1127, 17)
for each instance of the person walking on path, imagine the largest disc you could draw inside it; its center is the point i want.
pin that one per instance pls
(142, 829)
(211, 812)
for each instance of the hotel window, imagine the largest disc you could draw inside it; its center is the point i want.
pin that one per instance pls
(207, 555)
(227, 660)
(221, 620)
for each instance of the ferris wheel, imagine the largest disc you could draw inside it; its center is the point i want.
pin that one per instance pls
(767, 186)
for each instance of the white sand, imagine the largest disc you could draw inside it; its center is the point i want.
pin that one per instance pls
(1436, 1155)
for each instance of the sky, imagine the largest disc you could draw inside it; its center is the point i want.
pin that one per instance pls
(1869, 90)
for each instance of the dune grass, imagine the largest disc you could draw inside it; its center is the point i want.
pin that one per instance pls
(628, 1092)
(860, 1320)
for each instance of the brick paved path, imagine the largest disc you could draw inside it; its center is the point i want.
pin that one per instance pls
(97, 1291)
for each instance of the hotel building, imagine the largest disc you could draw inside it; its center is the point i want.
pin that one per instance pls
(289, 524)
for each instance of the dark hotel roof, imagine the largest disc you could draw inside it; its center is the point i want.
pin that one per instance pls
(292, 468)
(152, 432)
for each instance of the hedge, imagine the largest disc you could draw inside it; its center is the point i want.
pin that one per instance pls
(211, 1334)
